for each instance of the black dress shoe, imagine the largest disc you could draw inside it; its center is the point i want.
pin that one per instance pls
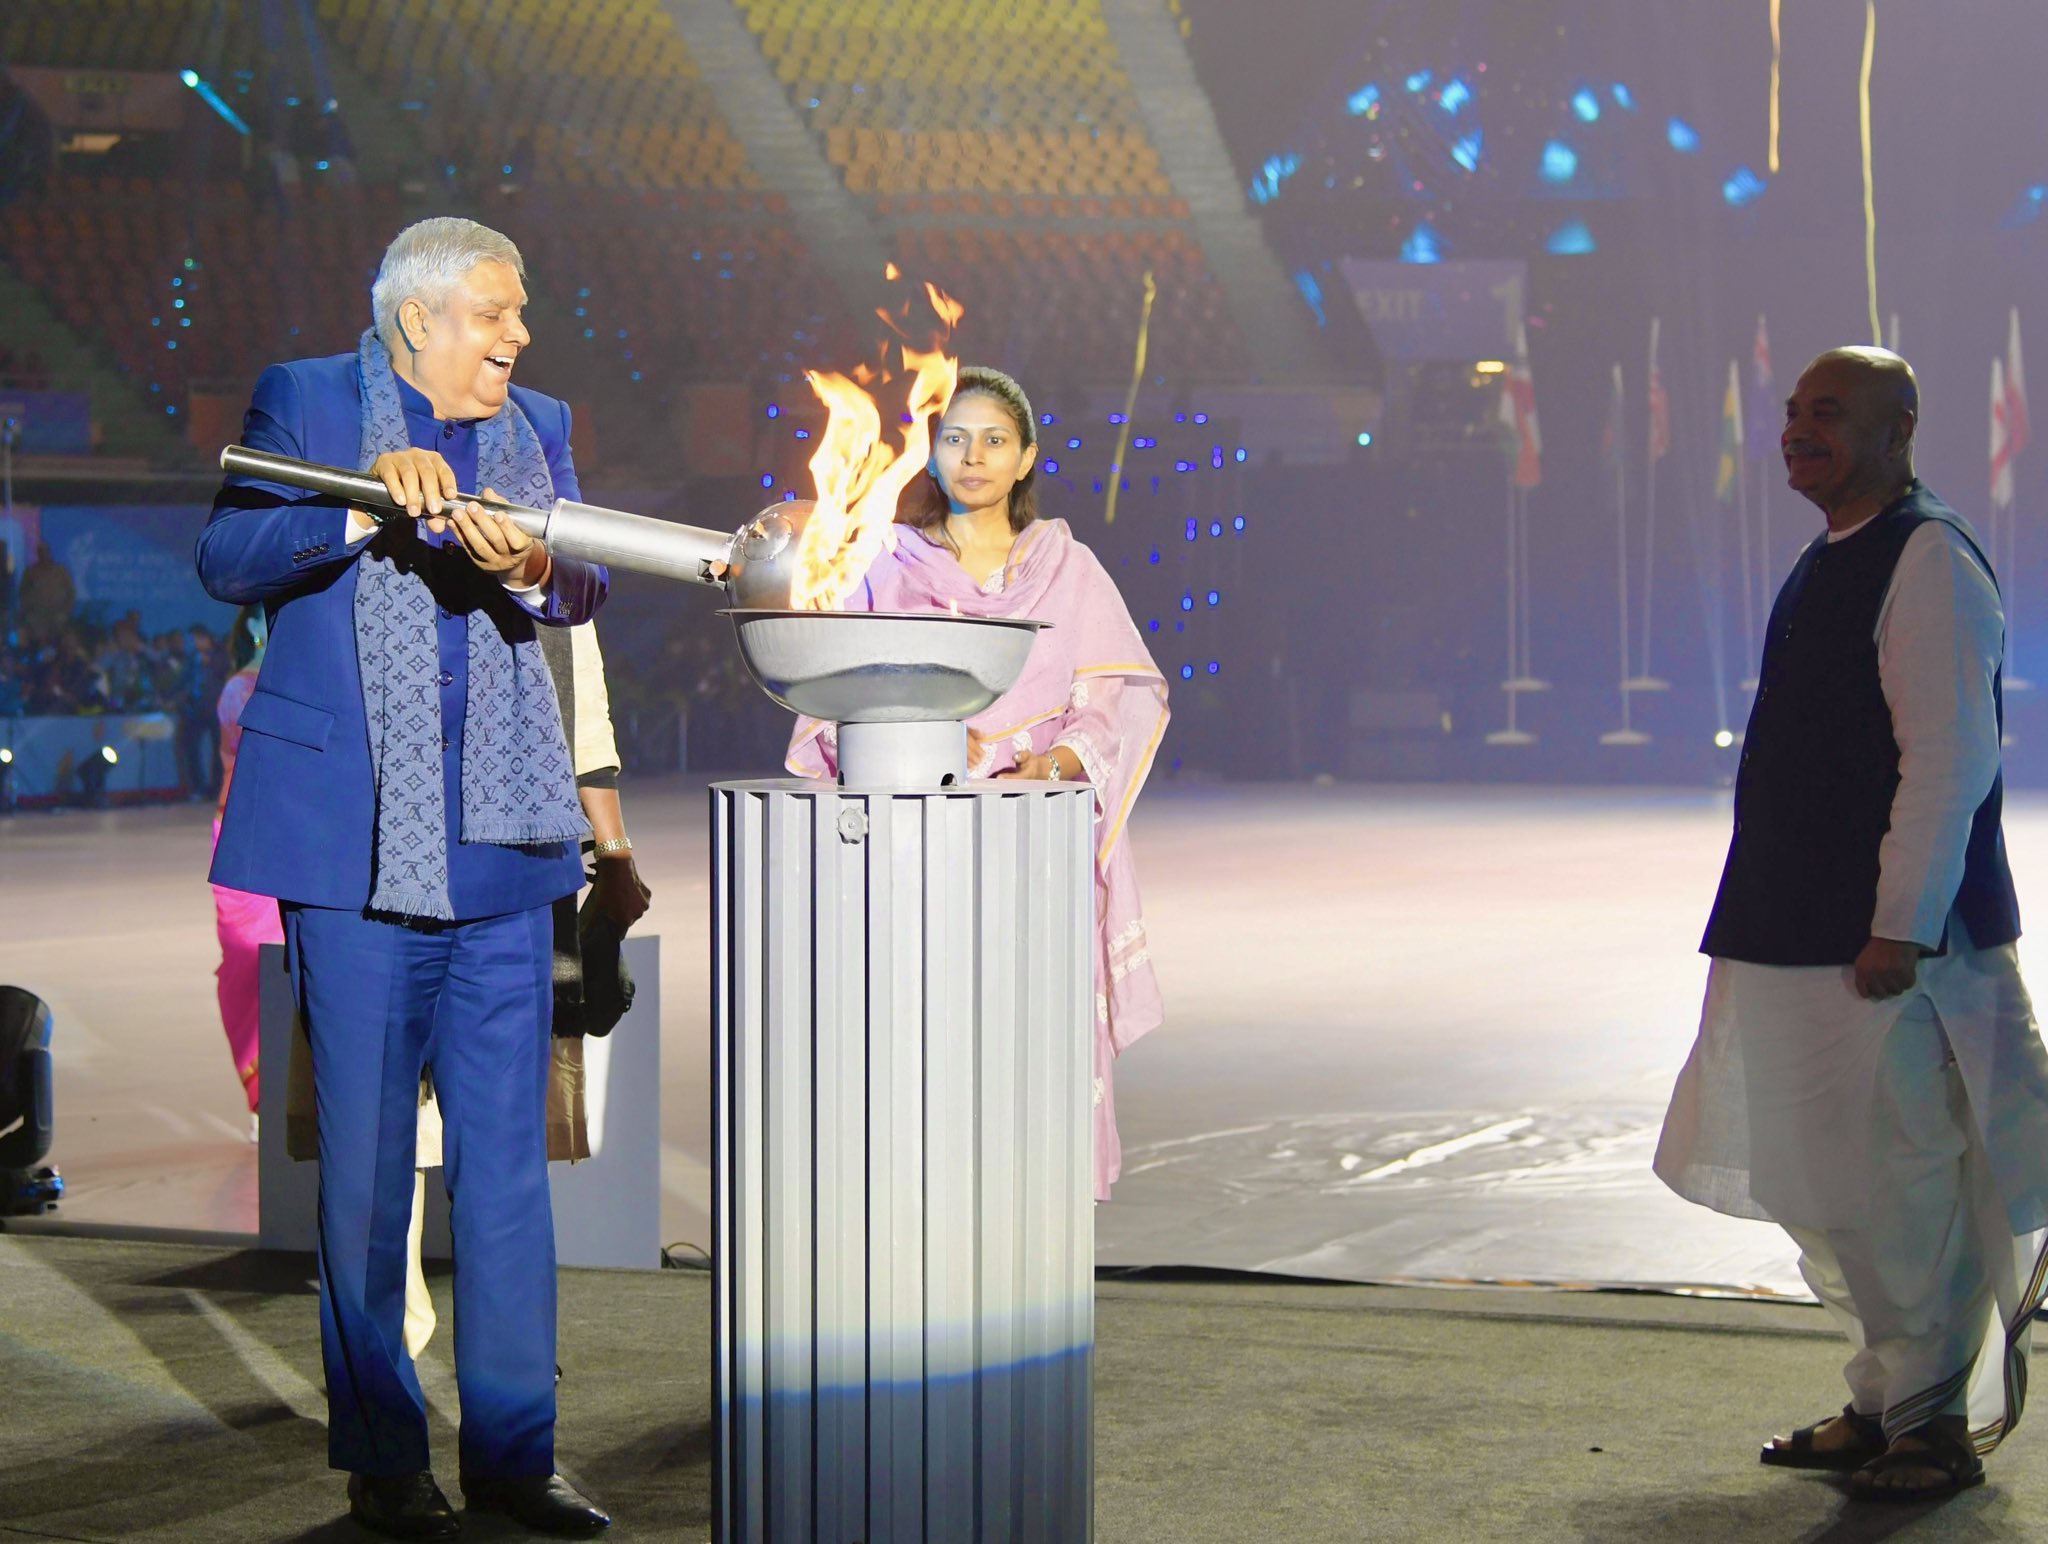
(402, 1506)
(543, 1503)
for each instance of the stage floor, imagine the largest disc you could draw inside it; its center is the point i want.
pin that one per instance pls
(1413, 1034)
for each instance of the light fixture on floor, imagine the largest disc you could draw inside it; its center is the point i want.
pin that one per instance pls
(92, 776)
(27, 1186)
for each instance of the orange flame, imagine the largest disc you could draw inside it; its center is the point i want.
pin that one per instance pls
(858, 476)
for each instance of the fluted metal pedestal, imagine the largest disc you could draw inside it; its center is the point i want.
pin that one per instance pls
(903, 1188)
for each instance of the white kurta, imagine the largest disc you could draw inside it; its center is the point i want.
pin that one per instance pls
(1772, 1116)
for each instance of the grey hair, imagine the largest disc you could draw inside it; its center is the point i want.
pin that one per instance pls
(428, 259)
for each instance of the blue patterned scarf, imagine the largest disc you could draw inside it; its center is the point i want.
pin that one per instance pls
(518, 781)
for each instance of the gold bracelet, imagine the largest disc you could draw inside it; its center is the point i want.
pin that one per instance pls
(610, 845)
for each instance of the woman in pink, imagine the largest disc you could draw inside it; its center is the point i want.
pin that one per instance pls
(245, 922)
(1090, 706)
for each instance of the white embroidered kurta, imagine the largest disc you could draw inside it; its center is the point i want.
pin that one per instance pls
(1771, 1117)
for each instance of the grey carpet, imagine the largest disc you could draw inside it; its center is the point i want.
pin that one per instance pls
(170, 1392)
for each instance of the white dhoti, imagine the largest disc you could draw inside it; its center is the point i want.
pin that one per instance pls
(1904, 1146)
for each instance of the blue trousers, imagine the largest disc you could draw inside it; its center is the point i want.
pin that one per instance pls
(381, 1001)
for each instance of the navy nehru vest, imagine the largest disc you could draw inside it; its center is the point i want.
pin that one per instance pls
(1820, 766)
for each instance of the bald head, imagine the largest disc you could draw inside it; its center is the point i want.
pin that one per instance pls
(1849, 426)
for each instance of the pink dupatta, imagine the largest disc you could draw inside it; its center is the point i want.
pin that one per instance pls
(1089, 685)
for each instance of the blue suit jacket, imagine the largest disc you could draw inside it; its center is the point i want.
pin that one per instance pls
(300, 820)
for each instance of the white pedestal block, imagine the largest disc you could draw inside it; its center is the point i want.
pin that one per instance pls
(903, 1186)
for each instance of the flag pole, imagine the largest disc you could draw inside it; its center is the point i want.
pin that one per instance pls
(2017, 433)
(1643, 681)
(1513, 686)
(1627, 734)
(1741, 474)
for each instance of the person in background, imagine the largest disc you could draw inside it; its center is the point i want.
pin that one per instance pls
(589, 975)
(1868, 1074)
(194, 693)
(47, 597)
(244, 922)
(1090, 706)
(126, 668)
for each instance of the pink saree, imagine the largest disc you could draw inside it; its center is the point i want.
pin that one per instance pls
(244, 922)
(1091, 686)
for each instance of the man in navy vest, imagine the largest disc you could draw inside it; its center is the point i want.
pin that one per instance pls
(1868, 1073)
(405, 790)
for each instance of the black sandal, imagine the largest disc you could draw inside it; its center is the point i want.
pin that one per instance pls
(1948, 1449)
(1799, 1451)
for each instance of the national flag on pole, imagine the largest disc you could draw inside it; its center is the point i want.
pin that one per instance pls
(2017, 431)
(2001, 436)
(1766, 413)
(1660, 405)
(1610, 437)
(1518, 415)
(1728, 473)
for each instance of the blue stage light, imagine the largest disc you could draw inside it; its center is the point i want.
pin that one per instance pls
(1073, 444)
(1187, 672)
(1215, 666)
(1742, 187)
(1201, 418)
(1365, 436)
(1240, 453)
(774, 411)
(1571, 239)
(803, 434)
(1466, 151)
(1215, 598)
(1623, 97)
(1215, 527)
(767, 479)
(1455, 95)
(1560, 162)
(1312, 292)
(1237, 524)
(1422, 246)
(1266, 186)
(1419, 81)
(1364, 102)
(1586, 105)
(1191, 530)
(1154, 625)
(212, 99)
(1052, 468)
(1683, 136)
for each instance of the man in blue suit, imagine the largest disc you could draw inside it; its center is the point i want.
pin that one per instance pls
(405, 790)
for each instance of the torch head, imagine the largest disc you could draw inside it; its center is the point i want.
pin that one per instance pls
(764, 557)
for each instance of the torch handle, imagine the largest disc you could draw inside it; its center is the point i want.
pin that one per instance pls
(586, 531)
(357, 488)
